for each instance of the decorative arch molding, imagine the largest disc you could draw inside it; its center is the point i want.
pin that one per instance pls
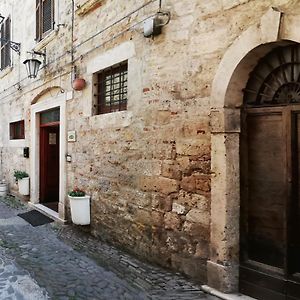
(226, 100)
(51, 92)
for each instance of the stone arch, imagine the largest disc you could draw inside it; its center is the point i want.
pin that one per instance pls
(52, 92)
(226, 101)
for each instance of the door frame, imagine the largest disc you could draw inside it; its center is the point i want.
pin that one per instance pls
(36, 109)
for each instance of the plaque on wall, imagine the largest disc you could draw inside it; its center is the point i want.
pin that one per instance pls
(72, 136)
(52, 138)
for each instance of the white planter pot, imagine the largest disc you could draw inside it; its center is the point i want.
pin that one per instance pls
(80, 210)
(24, 186)
(3, 189)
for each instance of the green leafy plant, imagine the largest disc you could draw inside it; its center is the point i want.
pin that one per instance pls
(20, 175)
(76, 192)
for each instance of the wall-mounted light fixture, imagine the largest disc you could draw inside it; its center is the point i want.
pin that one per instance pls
(153, 26)
(33, 64)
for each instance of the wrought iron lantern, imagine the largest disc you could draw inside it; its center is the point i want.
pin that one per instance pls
(33, 64)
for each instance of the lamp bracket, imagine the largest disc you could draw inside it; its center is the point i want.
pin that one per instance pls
(33, 52)
(13, 45)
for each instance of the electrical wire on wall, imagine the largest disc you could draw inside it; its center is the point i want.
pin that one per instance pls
(74, 47)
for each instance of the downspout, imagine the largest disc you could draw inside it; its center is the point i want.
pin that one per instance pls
(73, 73)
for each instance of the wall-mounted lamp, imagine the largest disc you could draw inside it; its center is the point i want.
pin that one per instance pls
(153, 26)
(33, 64)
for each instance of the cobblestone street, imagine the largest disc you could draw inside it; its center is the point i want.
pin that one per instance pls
(60, 262)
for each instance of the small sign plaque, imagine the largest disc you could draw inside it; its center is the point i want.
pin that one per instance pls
(72, 136)
(52, 138)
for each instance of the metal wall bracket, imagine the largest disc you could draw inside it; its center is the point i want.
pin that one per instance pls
(13, 45)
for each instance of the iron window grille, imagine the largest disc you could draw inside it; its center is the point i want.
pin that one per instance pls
(112, 89)
(5, 44)
(16, 130)
(44, 18)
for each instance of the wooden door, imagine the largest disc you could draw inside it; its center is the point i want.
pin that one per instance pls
(49, 163)
(270, 203)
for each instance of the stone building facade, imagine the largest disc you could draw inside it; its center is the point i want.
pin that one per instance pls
(163, 174)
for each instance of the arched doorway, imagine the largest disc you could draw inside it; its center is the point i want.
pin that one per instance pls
(270, 178)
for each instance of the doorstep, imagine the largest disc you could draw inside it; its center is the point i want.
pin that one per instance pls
(224, 296)
(48, 212)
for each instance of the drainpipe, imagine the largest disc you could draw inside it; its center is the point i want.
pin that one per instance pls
(73, 73)
(1, 162)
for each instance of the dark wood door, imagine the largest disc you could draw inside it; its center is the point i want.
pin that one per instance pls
(270, 193)
(49, 163)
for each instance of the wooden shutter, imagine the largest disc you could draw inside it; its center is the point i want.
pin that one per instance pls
(38, 20)
(47, 15)
(5, 45)
(2, 47)
(44, 17)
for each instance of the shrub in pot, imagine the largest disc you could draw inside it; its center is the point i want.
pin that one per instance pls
(23, 182)
(80, 207)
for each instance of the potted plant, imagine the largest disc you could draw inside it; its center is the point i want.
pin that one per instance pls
(80, 207)
(23, 182)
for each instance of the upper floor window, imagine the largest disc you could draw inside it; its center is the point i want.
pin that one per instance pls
(44, 18)
(5, 44)
(112, 89)
(16, 130)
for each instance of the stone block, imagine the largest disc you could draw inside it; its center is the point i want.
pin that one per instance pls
(191, 266)
(198, 216)
(158, 184)
(150, 218)
(196, 183)
(196, 231)
(171, 169)
(194, 146)
(172, 221)
(178, 209)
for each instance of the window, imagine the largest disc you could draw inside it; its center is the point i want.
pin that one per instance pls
(112, 89)
(5, 45)
(16, 130)
(44, 18)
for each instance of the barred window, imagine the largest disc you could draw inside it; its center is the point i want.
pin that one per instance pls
(44, 18)
(16, 130)
(112, 89)
(5, 44)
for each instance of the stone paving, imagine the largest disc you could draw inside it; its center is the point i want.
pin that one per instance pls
(64, 263)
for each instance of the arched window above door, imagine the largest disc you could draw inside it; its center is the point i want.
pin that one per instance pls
(276, 78)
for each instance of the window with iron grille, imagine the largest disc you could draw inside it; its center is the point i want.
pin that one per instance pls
(112, 89)
(5, 44)
(44, 18)
(16, 130)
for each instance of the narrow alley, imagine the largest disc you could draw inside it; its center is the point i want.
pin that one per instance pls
(59, 262)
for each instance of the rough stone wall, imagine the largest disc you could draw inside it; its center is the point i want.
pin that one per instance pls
(147, 169)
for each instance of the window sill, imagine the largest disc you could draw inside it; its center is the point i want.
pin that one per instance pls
(46, 40)
(87, 6)
(117, 119)
(6, 71)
